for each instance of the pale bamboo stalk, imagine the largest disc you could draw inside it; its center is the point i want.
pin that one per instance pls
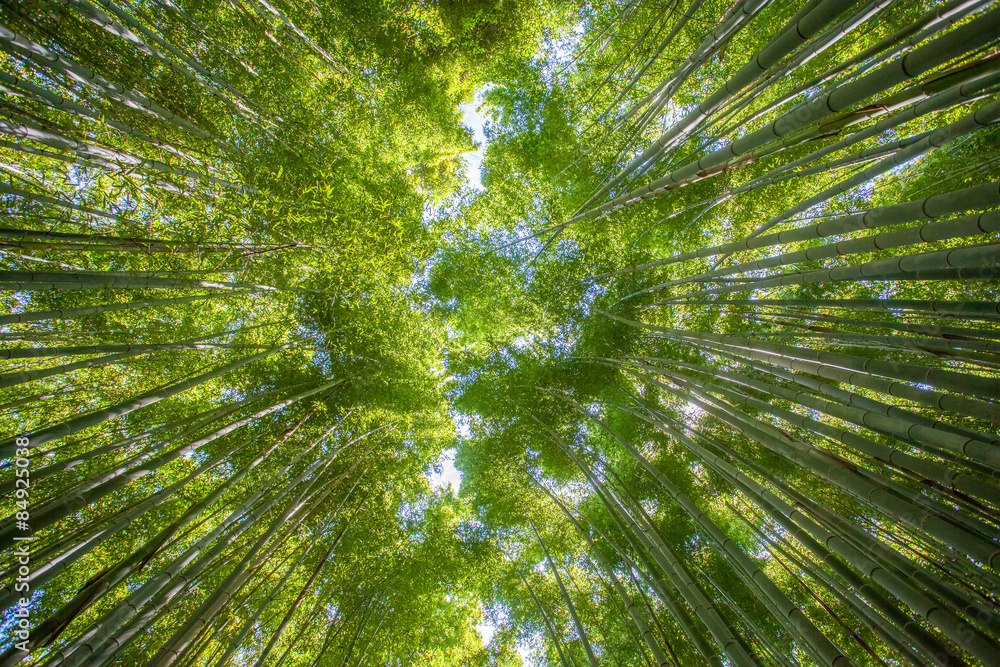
(868, 616)
(963, 227)
(30, 281)
(117, 348)
(48, 434)
(962, 39)
(982, 117)
(547, 621)
(923, 468)
(852, 479)
(891, 378)
(569, 603)
(276, 635)
(663, 591)
(66, 313)
(51, 99)
(62, 203)
(934, 21)
(238, 576)
(640, 624)
(737, 19)
(787, 612)
(115, 161)
(973, 198)
(20, 46)
(933, 436)
(961, 310)
(94, 636)
(107, 483)
(99, 585)
(806, 530)
(76, 460)
(672, 567)
(136, 35)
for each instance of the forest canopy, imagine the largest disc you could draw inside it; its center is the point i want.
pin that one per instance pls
(702, 367)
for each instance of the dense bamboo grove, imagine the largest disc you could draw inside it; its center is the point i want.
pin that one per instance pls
(716, 345)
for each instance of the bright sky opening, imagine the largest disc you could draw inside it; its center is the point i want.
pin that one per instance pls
(473, 119)
(486, 631)
(449, 475)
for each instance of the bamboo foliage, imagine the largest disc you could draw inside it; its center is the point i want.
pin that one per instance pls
(755, 422)
(799, 391)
